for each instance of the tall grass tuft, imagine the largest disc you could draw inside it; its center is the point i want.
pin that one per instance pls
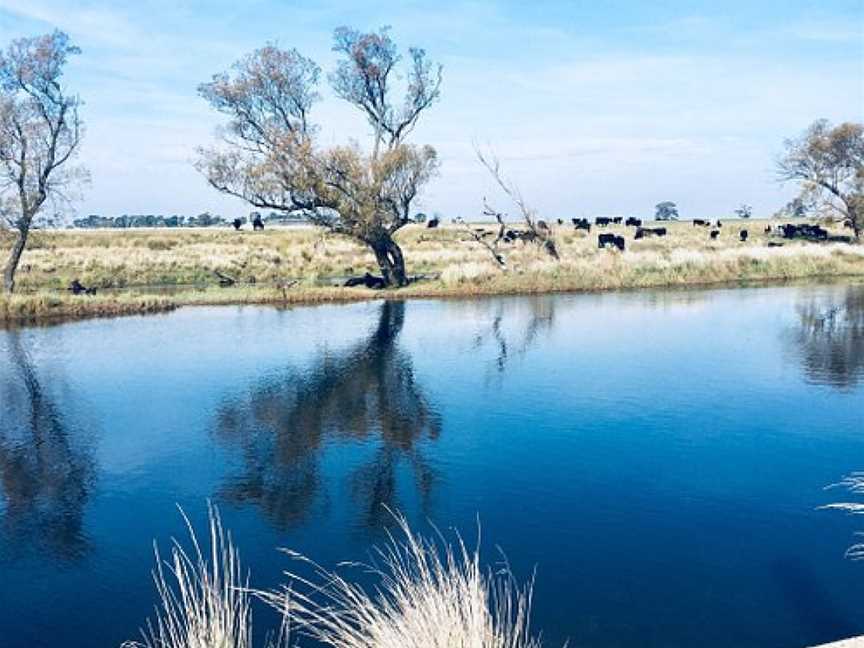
(429, 595)
(204, 600)
(854, 483)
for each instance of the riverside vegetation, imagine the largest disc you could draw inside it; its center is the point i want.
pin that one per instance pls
(139, 271)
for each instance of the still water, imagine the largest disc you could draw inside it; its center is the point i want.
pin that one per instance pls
(658, 457)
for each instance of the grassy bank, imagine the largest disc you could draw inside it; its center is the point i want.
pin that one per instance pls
(150, 270)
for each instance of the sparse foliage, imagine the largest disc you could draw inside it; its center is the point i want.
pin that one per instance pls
(828, 162)
(272, 158)
(40, 131)
(665, 211)
(744, 211)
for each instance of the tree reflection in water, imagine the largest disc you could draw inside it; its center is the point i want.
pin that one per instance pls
(829, 339)
(509, 346)
(366, 393)
(47, 470)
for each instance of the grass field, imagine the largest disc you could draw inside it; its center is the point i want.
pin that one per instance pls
(146, 270)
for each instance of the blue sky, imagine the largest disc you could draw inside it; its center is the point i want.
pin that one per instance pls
(593, 107)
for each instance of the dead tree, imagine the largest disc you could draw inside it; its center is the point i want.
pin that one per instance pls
(542, 236)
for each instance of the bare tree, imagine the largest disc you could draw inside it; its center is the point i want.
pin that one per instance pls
(271, 157)
(493, 247)
(40, 131)
(829, 164)
(537, 230)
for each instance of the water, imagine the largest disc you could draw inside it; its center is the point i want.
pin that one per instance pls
(657, 457)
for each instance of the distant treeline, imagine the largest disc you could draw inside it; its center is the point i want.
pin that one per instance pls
(95, 221)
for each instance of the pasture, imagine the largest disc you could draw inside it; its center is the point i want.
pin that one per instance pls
(140, 270)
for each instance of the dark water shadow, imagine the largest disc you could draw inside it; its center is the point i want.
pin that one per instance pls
(367, 393)
(802, 591)
(47, 470)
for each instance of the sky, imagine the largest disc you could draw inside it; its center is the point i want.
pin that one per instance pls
(594, 108)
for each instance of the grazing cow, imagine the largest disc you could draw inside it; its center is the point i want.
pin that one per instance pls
(767, 229)
(633, 222)
(560, 221)
(699, 221)
(368, 280)
(581, 223)
(617, 220)
(602, 221)
(714, 234)
(258, 224)
(610, 239)
(719, 224)
(642, 232)
(433, 222)
(237, 223)
(805, 231)
(77, 288)
(742, 235)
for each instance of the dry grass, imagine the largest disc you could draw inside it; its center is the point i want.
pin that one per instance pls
(44, 306)
(427, 595)
(854, 484)
(204, 597)
(307, 261)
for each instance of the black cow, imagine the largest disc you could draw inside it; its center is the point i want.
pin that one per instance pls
(617, 220)
(767, 229)
(77, 288)
(258, 224)
(714, 234)
(237, 223)
(560, 221)
(581, 223)
(633, 222)
(643, 232)
(433, 222)
(602, 221)
(805, 231)
(368, 280)
(742, 235)
(719, 224)
(610, 239)
(699, 221)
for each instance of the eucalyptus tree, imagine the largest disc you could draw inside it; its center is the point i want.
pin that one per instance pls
(271, 153)
(40, 133)
(666, 210)
(828, 162)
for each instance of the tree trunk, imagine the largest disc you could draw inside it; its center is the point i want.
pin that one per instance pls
(856, 219)
(12, 263)
(390, 260)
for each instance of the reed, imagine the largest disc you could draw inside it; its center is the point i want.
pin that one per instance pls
(204, 599)
(427, 595)
(854, 484)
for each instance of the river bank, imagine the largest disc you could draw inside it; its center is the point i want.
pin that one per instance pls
(147, 271)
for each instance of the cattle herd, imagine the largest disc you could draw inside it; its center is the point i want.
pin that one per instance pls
(803, 231)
